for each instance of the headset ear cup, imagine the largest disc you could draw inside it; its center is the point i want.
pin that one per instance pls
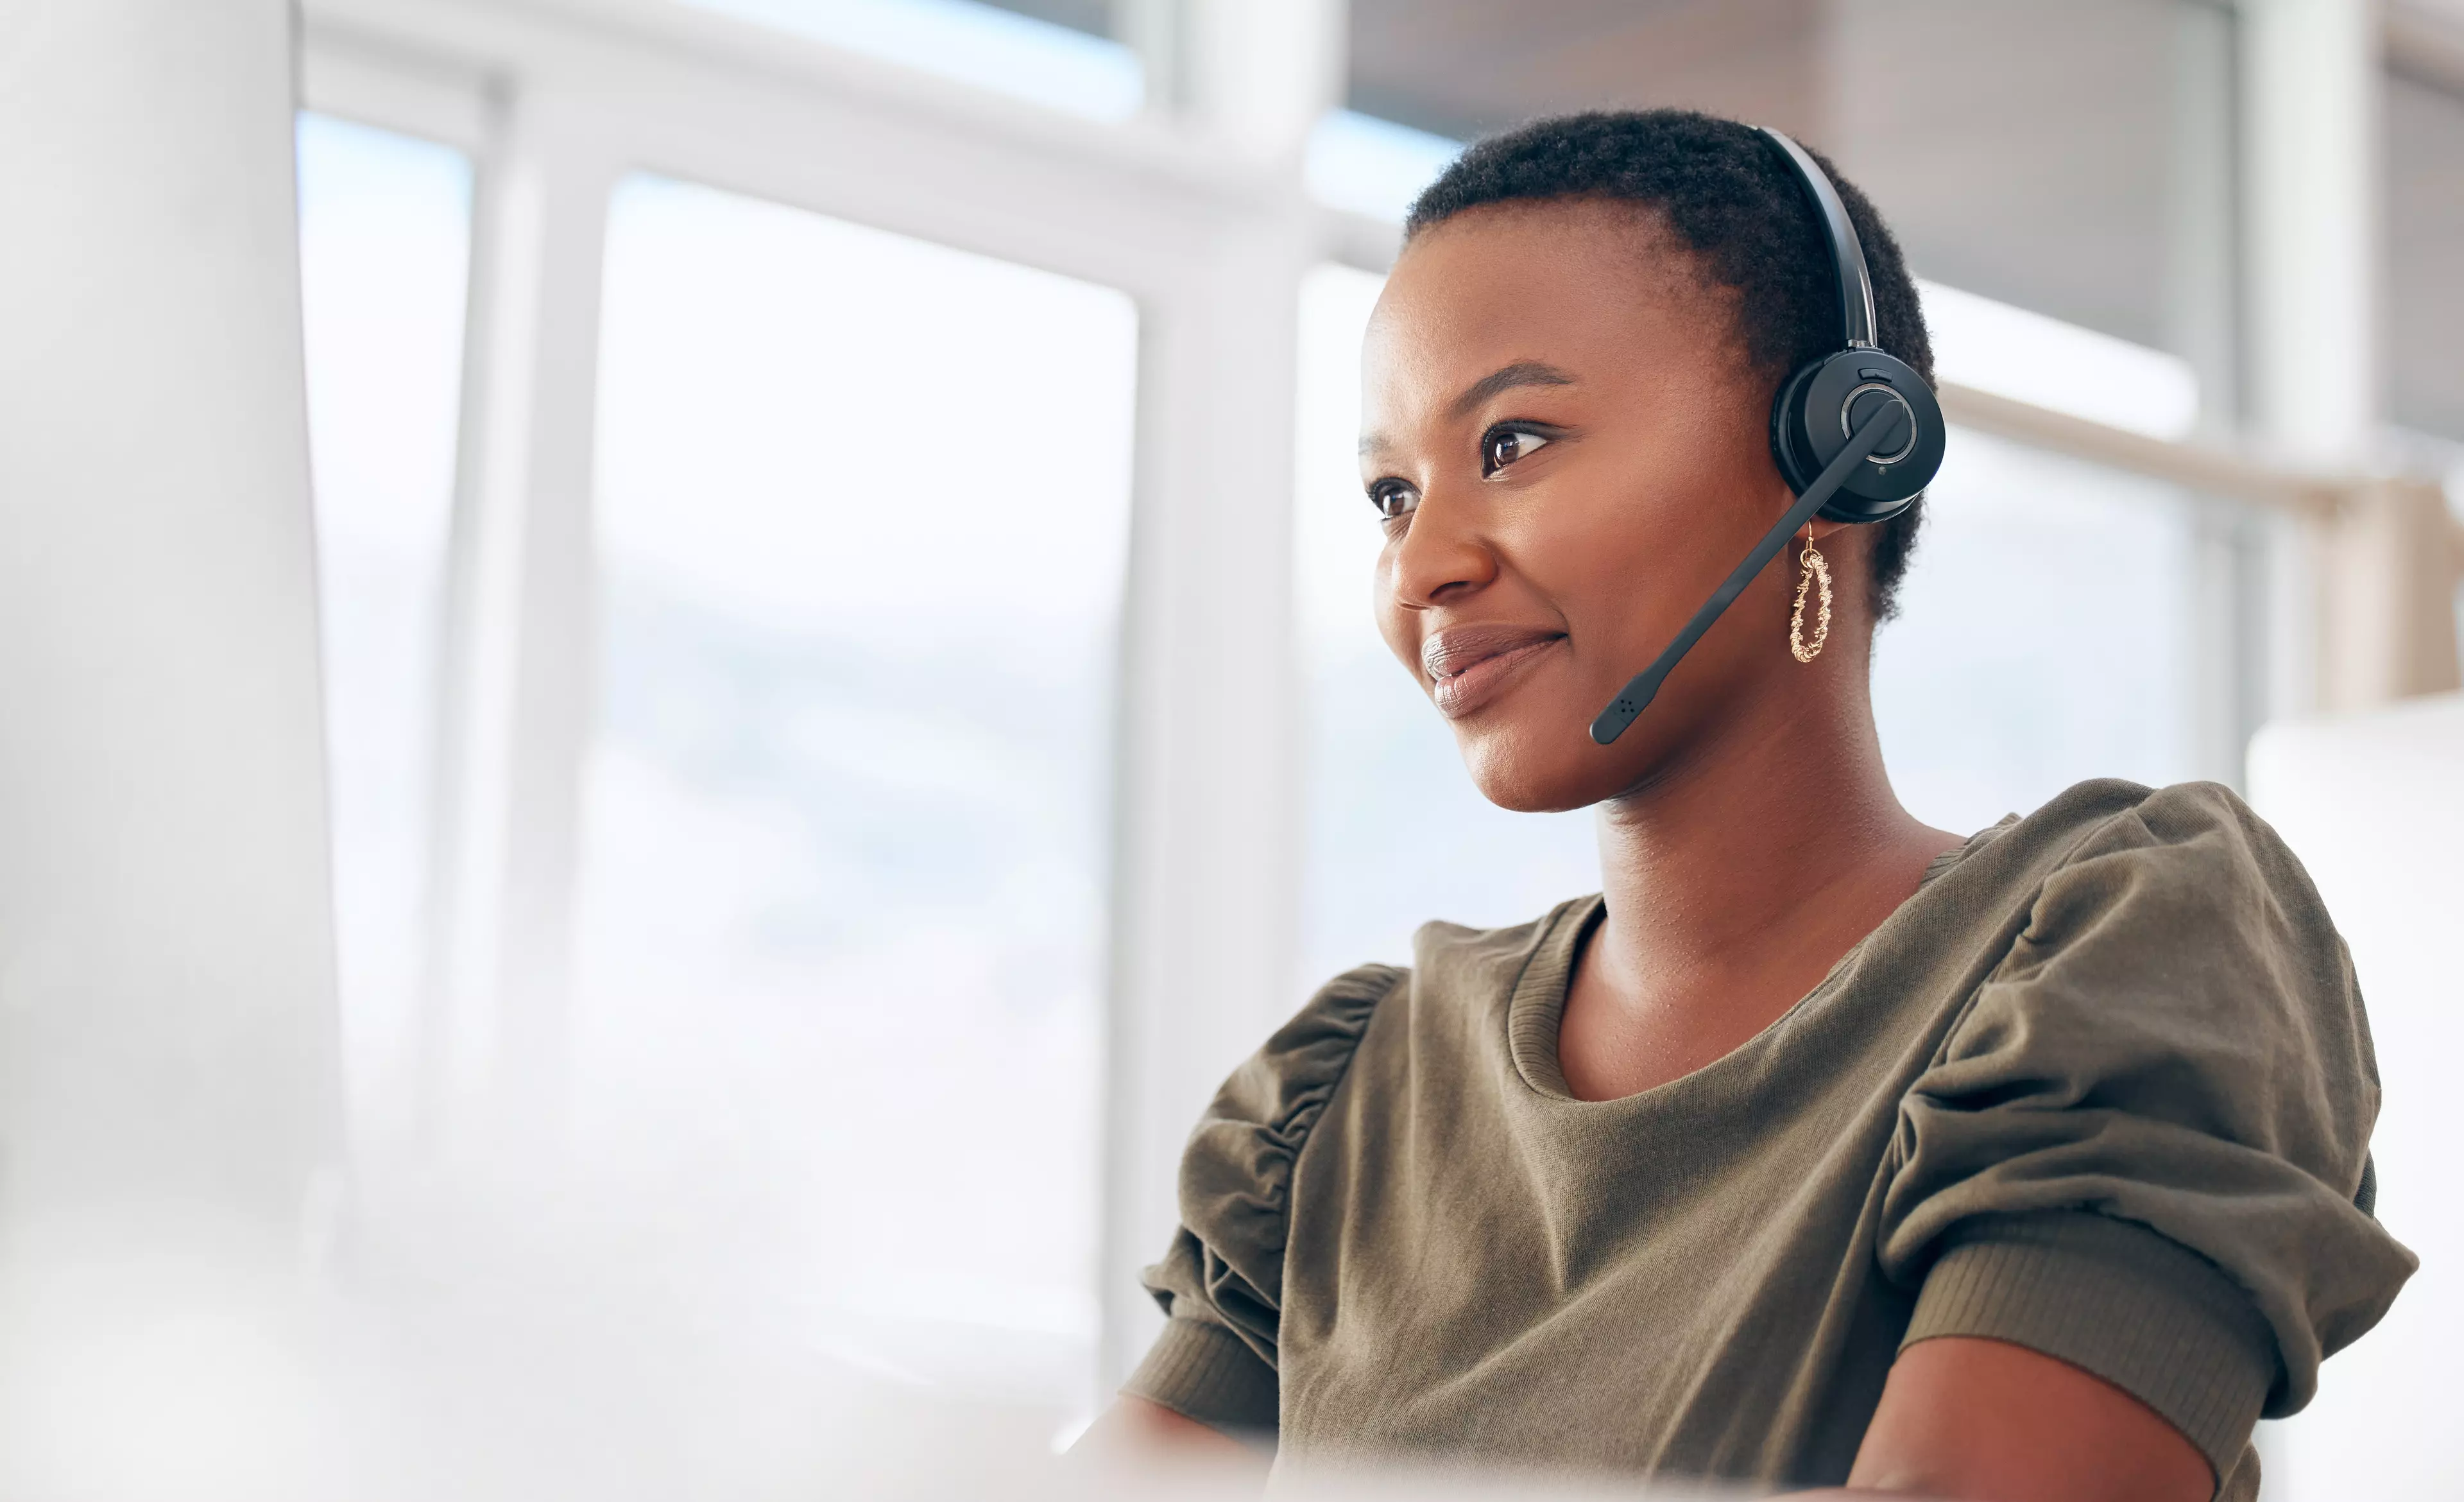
(1910, 476)
(1881, 489)
(1787, 430)
(1811, 417)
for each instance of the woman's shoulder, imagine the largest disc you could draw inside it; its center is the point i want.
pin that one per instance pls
(2159, 934)
(1280, 1089)
(2165, 1032)
(2190, 843)
(1453, 966)
(1452, 960)
(1328, 1027)
(2115, 889)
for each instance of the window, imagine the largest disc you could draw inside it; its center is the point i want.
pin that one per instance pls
(1373, 167)
(384, 231)
(2047, 634)
(1052, 53)
(862, 519)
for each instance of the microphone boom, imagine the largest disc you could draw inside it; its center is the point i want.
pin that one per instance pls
(1638, 695)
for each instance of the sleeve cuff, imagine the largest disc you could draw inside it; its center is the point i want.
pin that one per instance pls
(1203, 1372)
(2117, 1301)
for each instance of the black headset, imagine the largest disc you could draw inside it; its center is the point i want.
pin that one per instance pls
(1857, 436)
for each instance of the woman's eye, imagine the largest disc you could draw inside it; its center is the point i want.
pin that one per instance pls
(1392, 498)
(1505, 444)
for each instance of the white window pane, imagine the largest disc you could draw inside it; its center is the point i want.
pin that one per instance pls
(862, 514)
(994, 47)
(1397, 833)
(1373, 167)
(2046, 635)
(385, 232)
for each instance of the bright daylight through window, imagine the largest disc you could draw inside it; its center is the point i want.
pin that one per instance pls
(863, 510)
(384, 238)
(984, 46)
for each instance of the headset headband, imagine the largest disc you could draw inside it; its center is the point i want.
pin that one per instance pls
(1888, 448)
(1847, 252)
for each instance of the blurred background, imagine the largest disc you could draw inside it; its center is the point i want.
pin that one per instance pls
(841, 588)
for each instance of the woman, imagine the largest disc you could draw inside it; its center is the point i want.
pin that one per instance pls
(1821, 1147)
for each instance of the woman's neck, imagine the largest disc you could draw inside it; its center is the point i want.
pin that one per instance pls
(1733, 883)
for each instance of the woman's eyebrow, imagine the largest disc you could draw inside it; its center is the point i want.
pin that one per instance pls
(1523, 372)
(1505, 378)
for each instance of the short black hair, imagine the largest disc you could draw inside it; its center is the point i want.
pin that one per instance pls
(1723, 191)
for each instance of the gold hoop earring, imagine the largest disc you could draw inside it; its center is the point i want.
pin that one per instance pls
(1812, 571)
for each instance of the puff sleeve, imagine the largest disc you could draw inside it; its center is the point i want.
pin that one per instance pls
(1222, 1281)
(2139, 1148)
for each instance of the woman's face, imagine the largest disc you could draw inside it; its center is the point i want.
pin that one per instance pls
(1568, 454)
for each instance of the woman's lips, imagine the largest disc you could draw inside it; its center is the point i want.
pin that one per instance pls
(1469, 666)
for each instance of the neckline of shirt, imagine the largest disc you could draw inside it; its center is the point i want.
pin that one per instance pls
(1537, 1000)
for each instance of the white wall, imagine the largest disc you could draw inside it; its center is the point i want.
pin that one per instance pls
(166, 1071)
(2369, 804)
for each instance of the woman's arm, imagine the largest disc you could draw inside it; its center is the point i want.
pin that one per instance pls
(1136, 1432)
(1984, 1420)
(1977, 1420)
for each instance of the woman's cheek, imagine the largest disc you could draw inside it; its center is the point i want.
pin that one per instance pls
(1577, 537)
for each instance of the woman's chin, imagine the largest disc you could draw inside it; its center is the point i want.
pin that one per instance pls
(1525, 769)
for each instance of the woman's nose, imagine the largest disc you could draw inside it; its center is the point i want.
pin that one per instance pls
(1443, 555)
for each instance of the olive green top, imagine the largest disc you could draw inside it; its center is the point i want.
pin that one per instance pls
(2101, 1087)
